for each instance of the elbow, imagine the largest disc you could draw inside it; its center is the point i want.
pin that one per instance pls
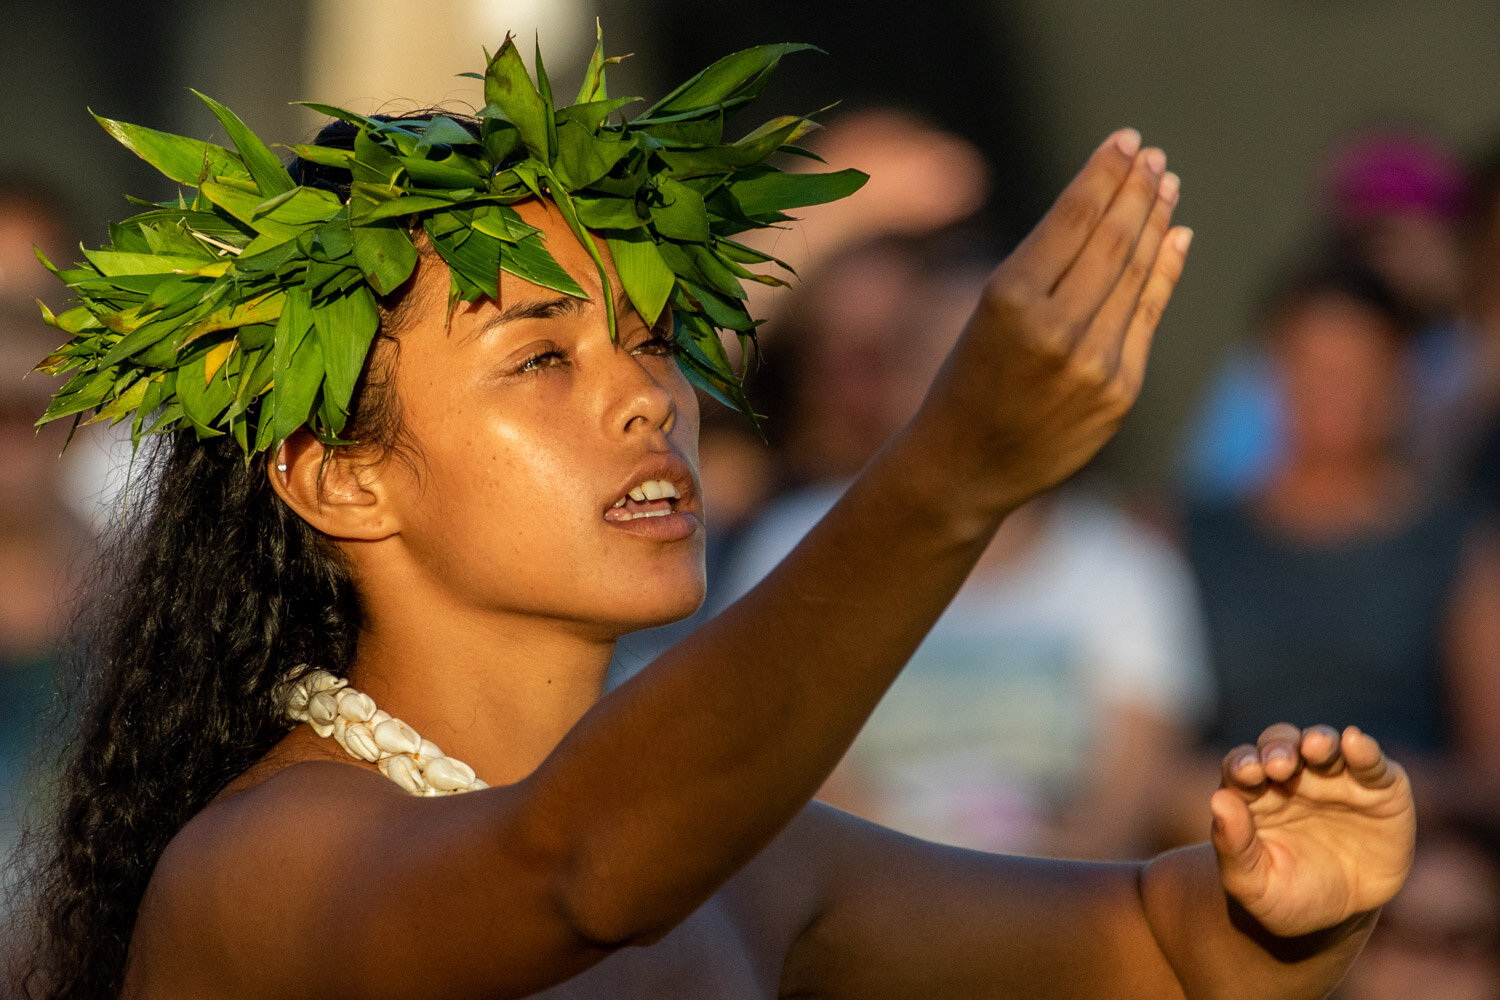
(608, 916)
(608, 908)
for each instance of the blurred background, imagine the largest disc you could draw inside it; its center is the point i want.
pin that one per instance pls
(1297, 520)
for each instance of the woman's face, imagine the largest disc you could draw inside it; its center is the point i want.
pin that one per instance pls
(531, 431)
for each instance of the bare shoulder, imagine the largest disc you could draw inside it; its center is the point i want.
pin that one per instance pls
(244, 860)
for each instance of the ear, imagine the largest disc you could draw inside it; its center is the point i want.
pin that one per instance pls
(331, 489)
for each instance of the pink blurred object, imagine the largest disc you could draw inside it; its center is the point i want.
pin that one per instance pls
(1386, 173)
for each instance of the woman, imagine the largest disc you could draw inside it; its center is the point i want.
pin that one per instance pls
(469, 563)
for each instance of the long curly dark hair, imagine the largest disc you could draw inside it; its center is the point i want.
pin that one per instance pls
(211, 595)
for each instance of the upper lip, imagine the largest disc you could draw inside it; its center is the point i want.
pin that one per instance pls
(669, 467)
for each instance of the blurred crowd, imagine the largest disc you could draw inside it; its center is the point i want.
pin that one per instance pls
(1329, 551)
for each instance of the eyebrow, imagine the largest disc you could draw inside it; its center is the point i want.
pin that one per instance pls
(562, 305)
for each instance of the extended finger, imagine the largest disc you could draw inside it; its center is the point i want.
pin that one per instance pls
(1086, 284)
(1107, 332)
(1149, 307)
(1280, 751)
(1047, 251)
(1241, 770)
(1369, 765)
(1321, 750)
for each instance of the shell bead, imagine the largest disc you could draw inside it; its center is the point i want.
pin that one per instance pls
(352, 718)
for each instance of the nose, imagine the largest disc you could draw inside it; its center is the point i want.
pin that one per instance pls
(645, 401)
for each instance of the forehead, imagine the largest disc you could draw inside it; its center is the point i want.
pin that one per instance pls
(427, 302)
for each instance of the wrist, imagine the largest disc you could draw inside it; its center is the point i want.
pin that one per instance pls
(1290, 948)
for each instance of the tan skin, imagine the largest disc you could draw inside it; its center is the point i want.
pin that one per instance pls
(659, 842)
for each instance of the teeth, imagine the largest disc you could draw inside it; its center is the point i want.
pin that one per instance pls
(651, 489)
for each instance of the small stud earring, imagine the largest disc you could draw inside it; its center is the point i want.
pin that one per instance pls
(281, 467)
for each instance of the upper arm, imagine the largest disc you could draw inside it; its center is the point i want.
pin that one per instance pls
(328, 872)
(903, 918)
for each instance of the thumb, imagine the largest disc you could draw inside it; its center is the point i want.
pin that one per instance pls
(1239, 851)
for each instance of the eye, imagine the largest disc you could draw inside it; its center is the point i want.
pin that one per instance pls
(659, 343)
(660, 340)
(549, 358)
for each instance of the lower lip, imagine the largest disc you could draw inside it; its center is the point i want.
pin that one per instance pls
(673, 527)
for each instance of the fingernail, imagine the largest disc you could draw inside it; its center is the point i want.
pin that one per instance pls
(1129, 141)
(1156, 160)
(1184, 239)
(1171, 186)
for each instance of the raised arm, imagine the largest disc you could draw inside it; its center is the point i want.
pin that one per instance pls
(676, 780)
(752, 712)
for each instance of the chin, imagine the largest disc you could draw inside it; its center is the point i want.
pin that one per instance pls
(660, 606)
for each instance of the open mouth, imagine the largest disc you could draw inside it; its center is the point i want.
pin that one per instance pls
(652, 498)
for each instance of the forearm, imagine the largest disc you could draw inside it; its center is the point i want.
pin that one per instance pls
(1219, 951)
(732, 732)
(687, 771)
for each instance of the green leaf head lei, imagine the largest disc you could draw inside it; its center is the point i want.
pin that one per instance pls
(247, 304)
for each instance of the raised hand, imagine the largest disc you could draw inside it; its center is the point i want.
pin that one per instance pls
(1056, 351)
(1312, 827)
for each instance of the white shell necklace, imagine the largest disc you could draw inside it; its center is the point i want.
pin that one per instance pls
(333, 708)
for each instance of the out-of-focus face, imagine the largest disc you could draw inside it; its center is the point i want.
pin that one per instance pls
(532, 431)
(882, 328)
(1340, 363)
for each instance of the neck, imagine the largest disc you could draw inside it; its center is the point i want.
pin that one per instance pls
(498, 692)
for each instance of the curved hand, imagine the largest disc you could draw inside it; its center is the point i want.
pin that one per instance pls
(1055, 354)
(1312, 827)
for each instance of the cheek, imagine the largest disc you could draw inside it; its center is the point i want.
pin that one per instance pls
(497, 494)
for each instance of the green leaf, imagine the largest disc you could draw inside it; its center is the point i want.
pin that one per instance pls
(508, 87)
(385, 253)
(607, 212)
(502, 222)
(593, 88)
(408, 205)
(777, 192)
(529, 258)
(297, 367)
(583, 159)
(592, 115)
(681, 214)
(173, 239)
(646, 277)
(184, 160)
(737, 78)
(501, 138)
(476, 259)
(544, 88)
(243, 205)
(345, 327)
(239, 312)
(774, 134)
(705, 131)
(444, 131)
(111, 262)
(300, 206)
(452, 171)
(203, 399)
(353, 118)
(325, 156)
(264, 166)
